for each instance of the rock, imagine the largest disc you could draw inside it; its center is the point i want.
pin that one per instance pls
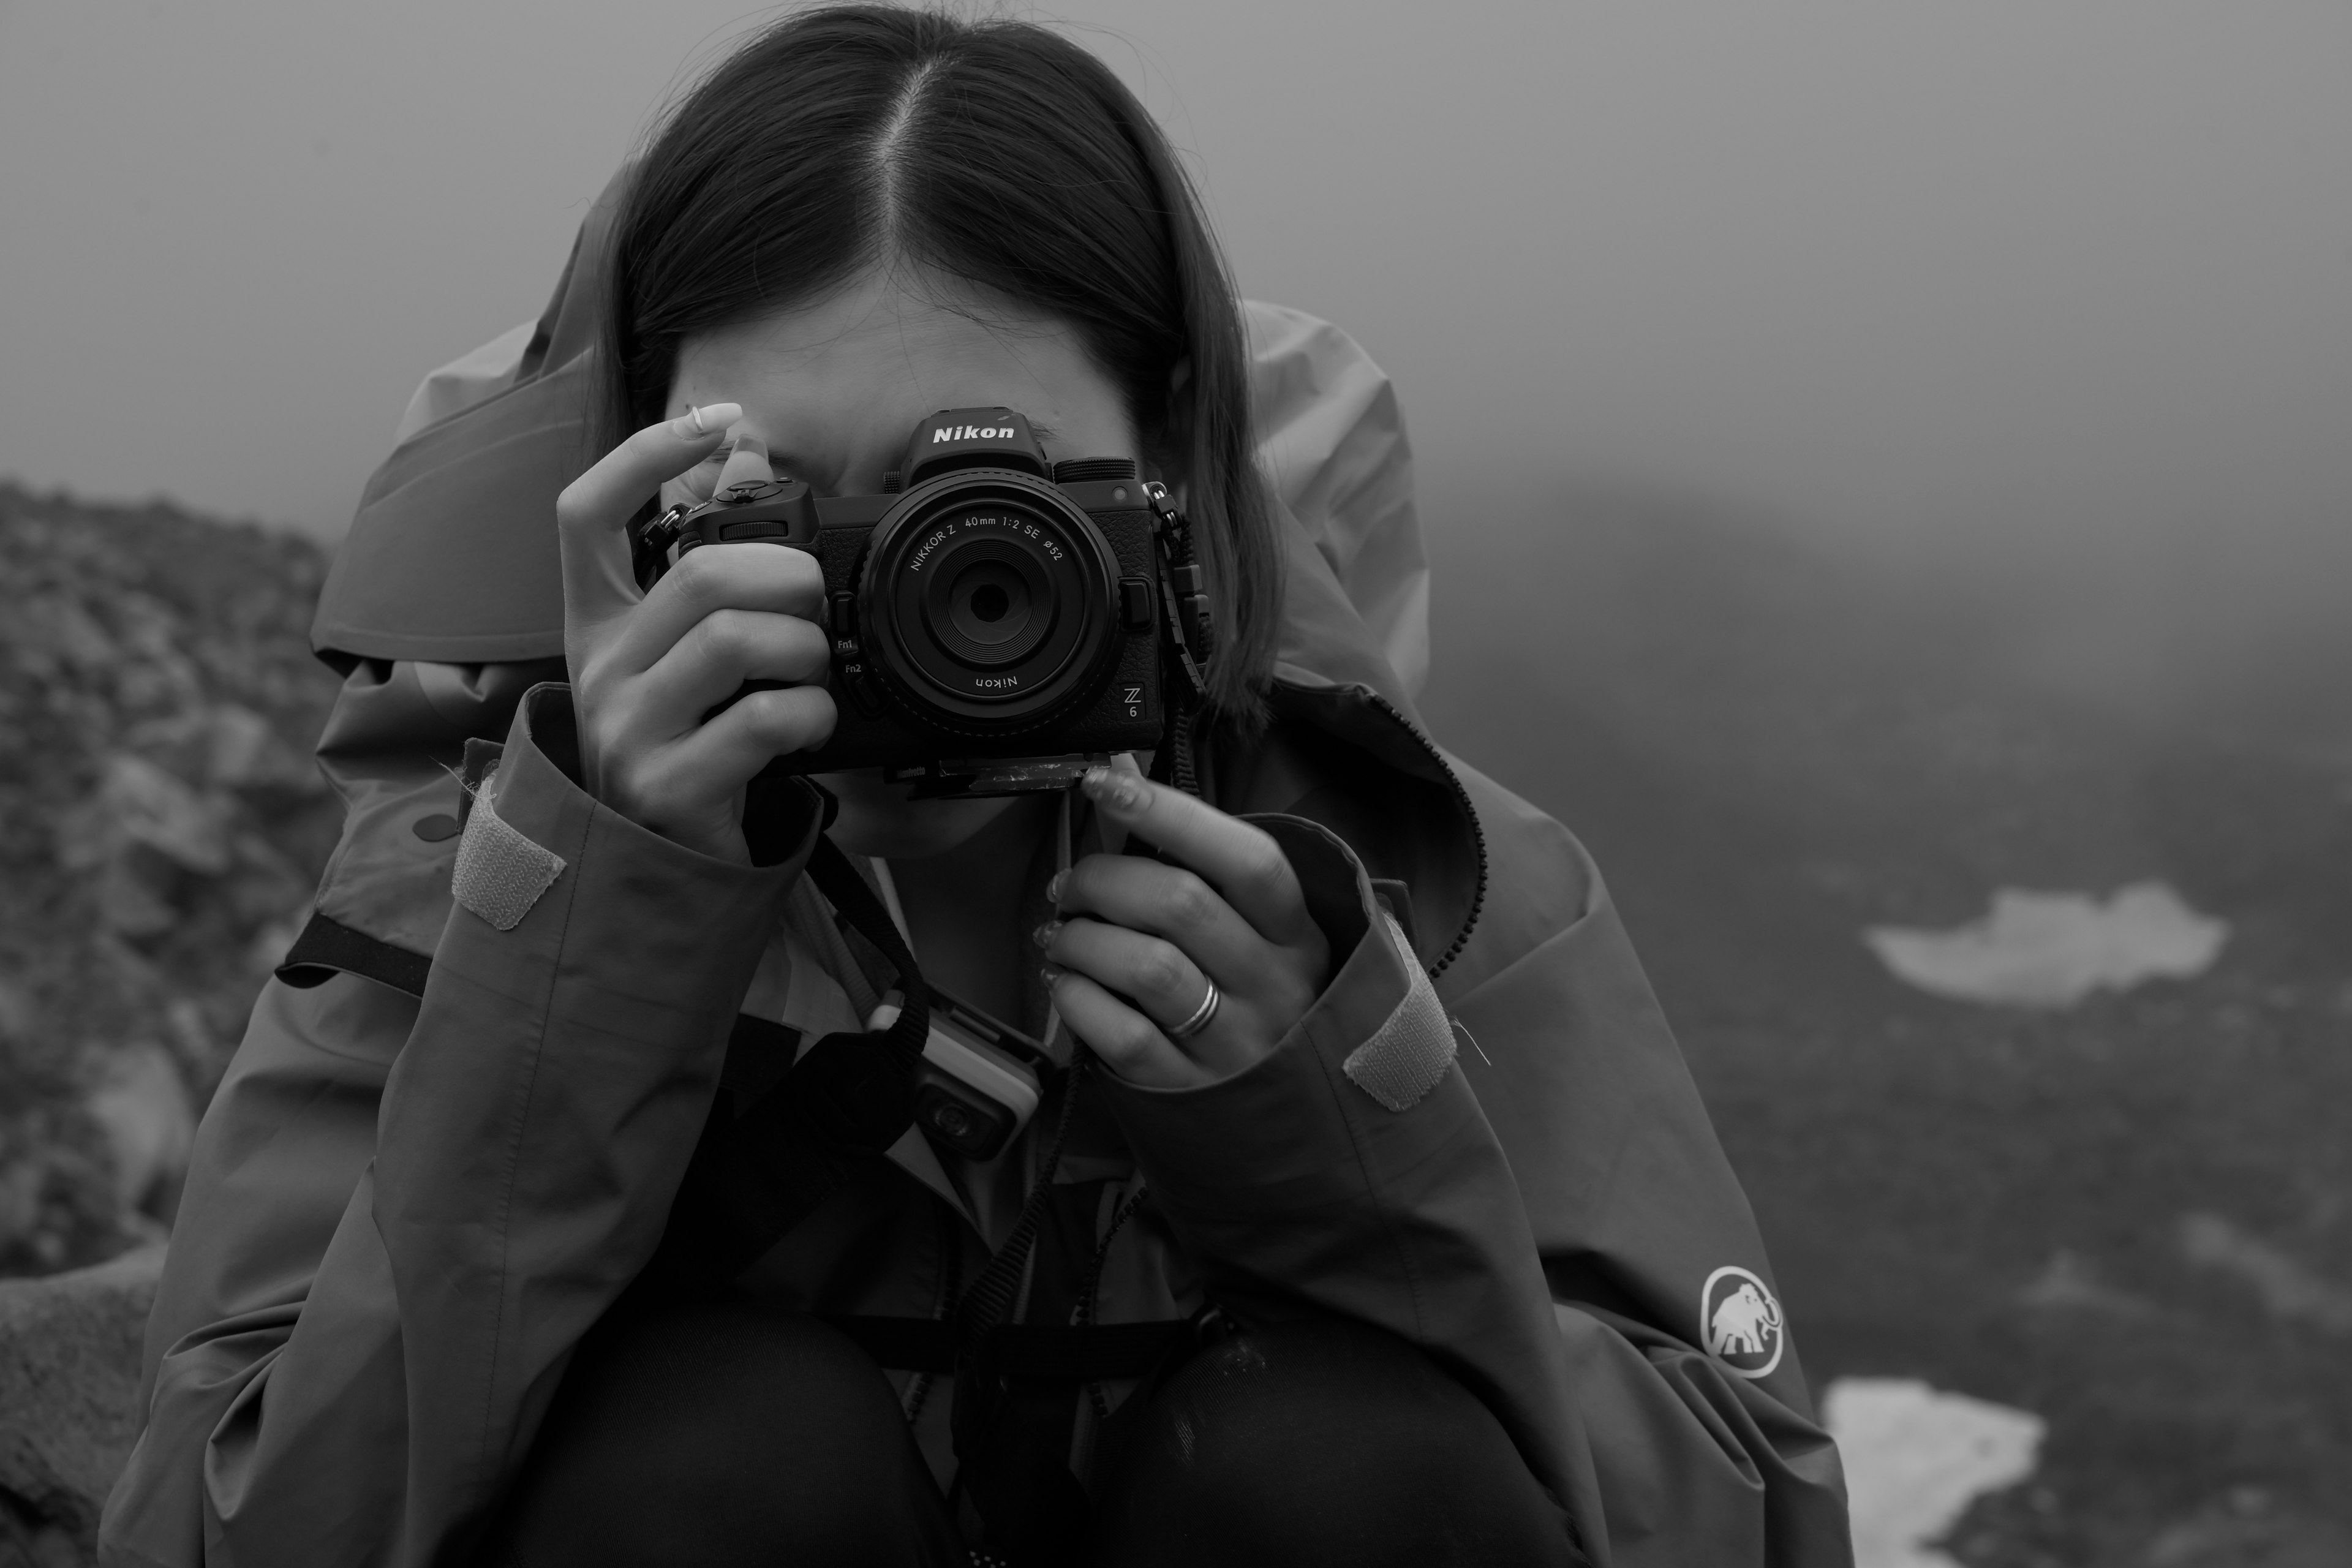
(69, 1348)
(150, 806)
(21, 1180)
(141, 1105)
(57, 1192)
(244, 751)
(16, 1012)
(129, 901)
(2247, 1530)
(242, 745)
(158, 820)
(2292, 1292)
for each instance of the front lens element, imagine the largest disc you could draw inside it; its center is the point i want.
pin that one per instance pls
(989, 603)
(987, 600)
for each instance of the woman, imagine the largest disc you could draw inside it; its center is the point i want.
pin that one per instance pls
(494, 1250)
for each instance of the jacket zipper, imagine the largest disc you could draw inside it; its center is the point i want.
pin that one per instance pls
(1470, 812)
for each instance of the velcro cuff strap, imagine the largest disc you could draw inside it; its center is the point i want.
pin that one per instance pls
(500, 874)
(1410, 1052)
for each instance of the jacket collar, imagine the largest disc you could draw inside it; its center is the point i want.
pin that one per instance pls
(1354, 759)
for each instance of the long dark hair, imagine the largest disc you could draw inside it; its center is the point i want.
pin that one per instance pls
(995, 153)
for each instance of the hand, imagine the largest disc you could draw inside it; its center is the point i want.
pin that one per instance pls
(1137, 942)
(648, 666)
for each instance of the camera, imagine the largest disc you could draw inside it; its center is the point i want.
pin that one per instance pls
(976, 1086)
(998, 623)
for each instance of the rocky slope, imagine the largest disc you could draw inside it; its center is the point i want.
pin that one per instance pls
(160, 829)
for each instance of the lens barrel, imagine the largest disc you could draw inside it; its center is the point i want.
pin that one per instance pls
(986, 602)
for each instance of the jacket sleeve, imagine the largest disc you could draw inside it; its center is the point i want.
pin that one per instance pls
(1310, 1181)
(370, 1301)
(1531, 1217)
(1636, 1214)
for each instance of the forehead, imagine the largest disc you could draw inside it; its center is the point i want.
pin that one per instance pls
(850, 375)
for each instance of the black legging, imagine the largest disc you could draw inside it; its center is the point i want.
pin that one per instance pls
(723, 1434)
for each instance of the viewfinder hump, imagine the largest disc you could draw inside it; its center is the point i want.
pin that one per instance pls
(973, 439)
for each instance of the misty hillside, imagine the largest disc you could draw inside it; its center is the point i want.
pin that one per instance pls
(2132, 1218)
(160, 830)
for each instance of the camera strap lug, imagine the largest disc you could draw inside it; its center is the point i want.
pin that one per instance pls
(1183, 588)
(649, 550)
(1184, 596)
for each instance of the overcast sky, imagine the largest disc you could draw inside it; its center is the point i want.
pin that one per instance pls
(1990, 276)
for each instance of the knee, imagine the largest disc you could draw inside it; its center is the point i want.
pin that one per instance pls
(1323, 1441)
(714, 1433)
(1323, 1402)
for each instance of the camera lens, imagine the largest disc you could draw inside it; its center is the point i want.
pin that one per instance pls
(986, 598)
(988, 603)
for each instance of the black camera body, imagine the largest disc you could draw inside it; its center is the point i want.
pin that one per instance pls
(997, 621)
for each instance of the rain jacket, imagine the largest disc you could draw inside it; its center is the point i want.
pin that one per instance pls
(445, 1147)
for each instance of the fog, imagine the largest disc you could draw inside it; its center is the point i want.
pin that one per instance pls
(2053, 303)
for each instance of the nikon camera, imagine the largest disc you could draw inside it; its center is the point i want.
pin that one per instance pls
(998, 622)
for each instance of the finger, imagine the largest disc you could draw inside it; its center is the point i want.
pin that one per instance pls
(1168, 901)
(776, 578)
(592, 513)
(1164, 984)
(726, 649)
(719, 757)
(1123, 1038)
(1240, 861)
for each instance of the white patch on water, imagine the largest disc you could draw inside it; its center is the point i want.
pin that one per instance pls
(2052, 949)
(1916, 1458)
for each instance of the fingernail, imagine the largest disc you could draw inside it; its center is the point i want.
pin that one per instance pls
(1044, 934)
(710, 419)
(1115, 790)
(1050, 975)
(746, 464)
(1054, 885)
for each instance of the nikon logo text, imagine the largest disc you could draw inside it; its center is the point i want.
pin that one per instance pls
(970, 433)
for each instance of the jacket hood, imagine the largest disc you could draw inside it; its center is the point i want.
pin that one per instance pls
(452, 556)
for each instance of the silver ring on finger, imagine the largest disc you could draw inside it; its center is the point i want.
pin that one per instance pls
(1200, 1014)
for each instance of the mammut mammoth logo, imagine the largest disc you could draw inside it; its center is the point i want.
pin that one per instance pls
(1740, 1322)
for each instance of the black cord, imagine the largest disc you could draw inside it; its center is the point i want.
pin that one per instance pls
(849, 893)
(992, 1294)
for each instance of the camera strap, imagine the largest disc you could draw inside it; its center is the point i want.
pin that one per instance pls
(756, 1173)
(1192, 638)
(761, 1169)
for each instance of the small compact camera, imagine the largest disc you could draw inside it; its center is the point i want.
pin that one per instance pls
(998, 622)
(976, 1086)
